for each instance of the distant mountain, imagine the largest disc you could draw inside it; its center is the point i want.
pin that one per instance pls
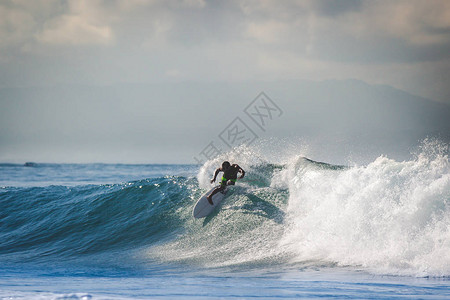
(352, 106)
(163, 121)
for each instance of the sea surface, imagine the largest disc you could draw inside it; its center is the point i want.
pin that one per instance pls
(295, 229)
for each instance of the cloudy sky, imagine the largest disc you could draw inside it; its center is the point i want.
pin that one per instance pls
(47, 43)
(405, 44)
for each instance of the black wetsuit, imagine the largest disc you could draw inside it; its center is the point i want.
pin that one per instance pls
(230, 174)
(229, 178)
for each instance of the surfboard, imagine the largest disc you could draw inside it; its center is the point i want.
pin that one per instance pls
(202, 208)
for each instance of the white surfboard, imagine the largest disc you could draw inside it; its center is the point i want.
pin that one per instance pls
(202, 208)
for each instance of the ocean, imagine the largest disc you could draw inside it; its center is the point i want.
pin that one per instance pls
(291, 229)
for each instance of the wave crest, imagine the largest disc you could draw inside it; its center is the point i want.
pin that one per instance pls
(389, 216)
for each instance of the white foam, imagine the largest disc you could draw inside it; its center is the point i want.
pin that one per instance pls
(389, 216)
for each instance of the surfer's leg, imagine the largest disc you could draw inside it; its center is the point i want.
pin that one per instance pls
(215, 191)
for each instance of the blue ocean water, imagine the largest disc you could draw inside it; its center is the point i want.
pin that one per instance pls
(288, 230)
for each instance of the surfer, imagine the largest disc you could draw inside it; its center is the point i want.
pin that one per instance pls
(229, 177)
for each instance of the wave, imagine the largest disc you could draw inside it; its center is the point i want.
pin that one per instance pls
(391, 217)
(68, 221)
(388, 217)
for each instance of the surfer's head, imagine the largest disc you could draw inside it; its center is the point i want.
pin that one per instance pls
(225, 165)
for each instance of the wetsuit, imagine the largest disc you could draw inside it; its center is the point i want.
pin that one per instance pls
(229, 178)
(230, 175)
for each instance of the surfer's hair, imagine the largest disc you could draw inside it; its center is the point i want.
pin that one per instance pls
(226, 164)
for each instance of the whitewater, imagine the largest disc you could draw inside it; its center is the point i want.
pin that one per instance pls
(291, 228)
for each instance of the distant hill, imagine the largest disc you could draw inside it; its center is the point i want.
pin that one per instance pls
(352, 106)
(163, 121)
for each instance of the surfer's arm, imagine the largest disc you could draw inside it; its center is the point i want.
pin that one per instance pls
(215, 174)
(240, 170)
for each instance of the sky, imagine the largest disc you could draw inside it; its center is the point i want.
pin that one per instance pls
(58, 44)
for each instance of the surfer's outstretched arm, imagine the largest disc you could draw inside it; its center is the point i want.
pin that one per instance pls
(240, 170)
(215, 174)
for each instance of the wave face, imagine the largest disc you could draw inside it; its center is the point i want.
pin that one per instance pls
(38, 222)
(387, 217)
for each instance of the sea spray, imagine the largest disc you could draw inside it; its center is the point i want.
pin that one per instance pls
(391, 217)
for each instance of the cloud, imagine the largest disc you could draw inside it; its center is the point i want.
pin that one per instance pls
(24, 25)
(82, 24)
(16, 25)
(324, 28)
(354, 31)
(417, 22)
(146, 40)
(335, 8)
(268, 32)
(74, 30)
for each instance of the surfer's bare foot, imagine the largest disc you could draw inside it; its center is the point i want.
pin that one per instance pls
(209, 200)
